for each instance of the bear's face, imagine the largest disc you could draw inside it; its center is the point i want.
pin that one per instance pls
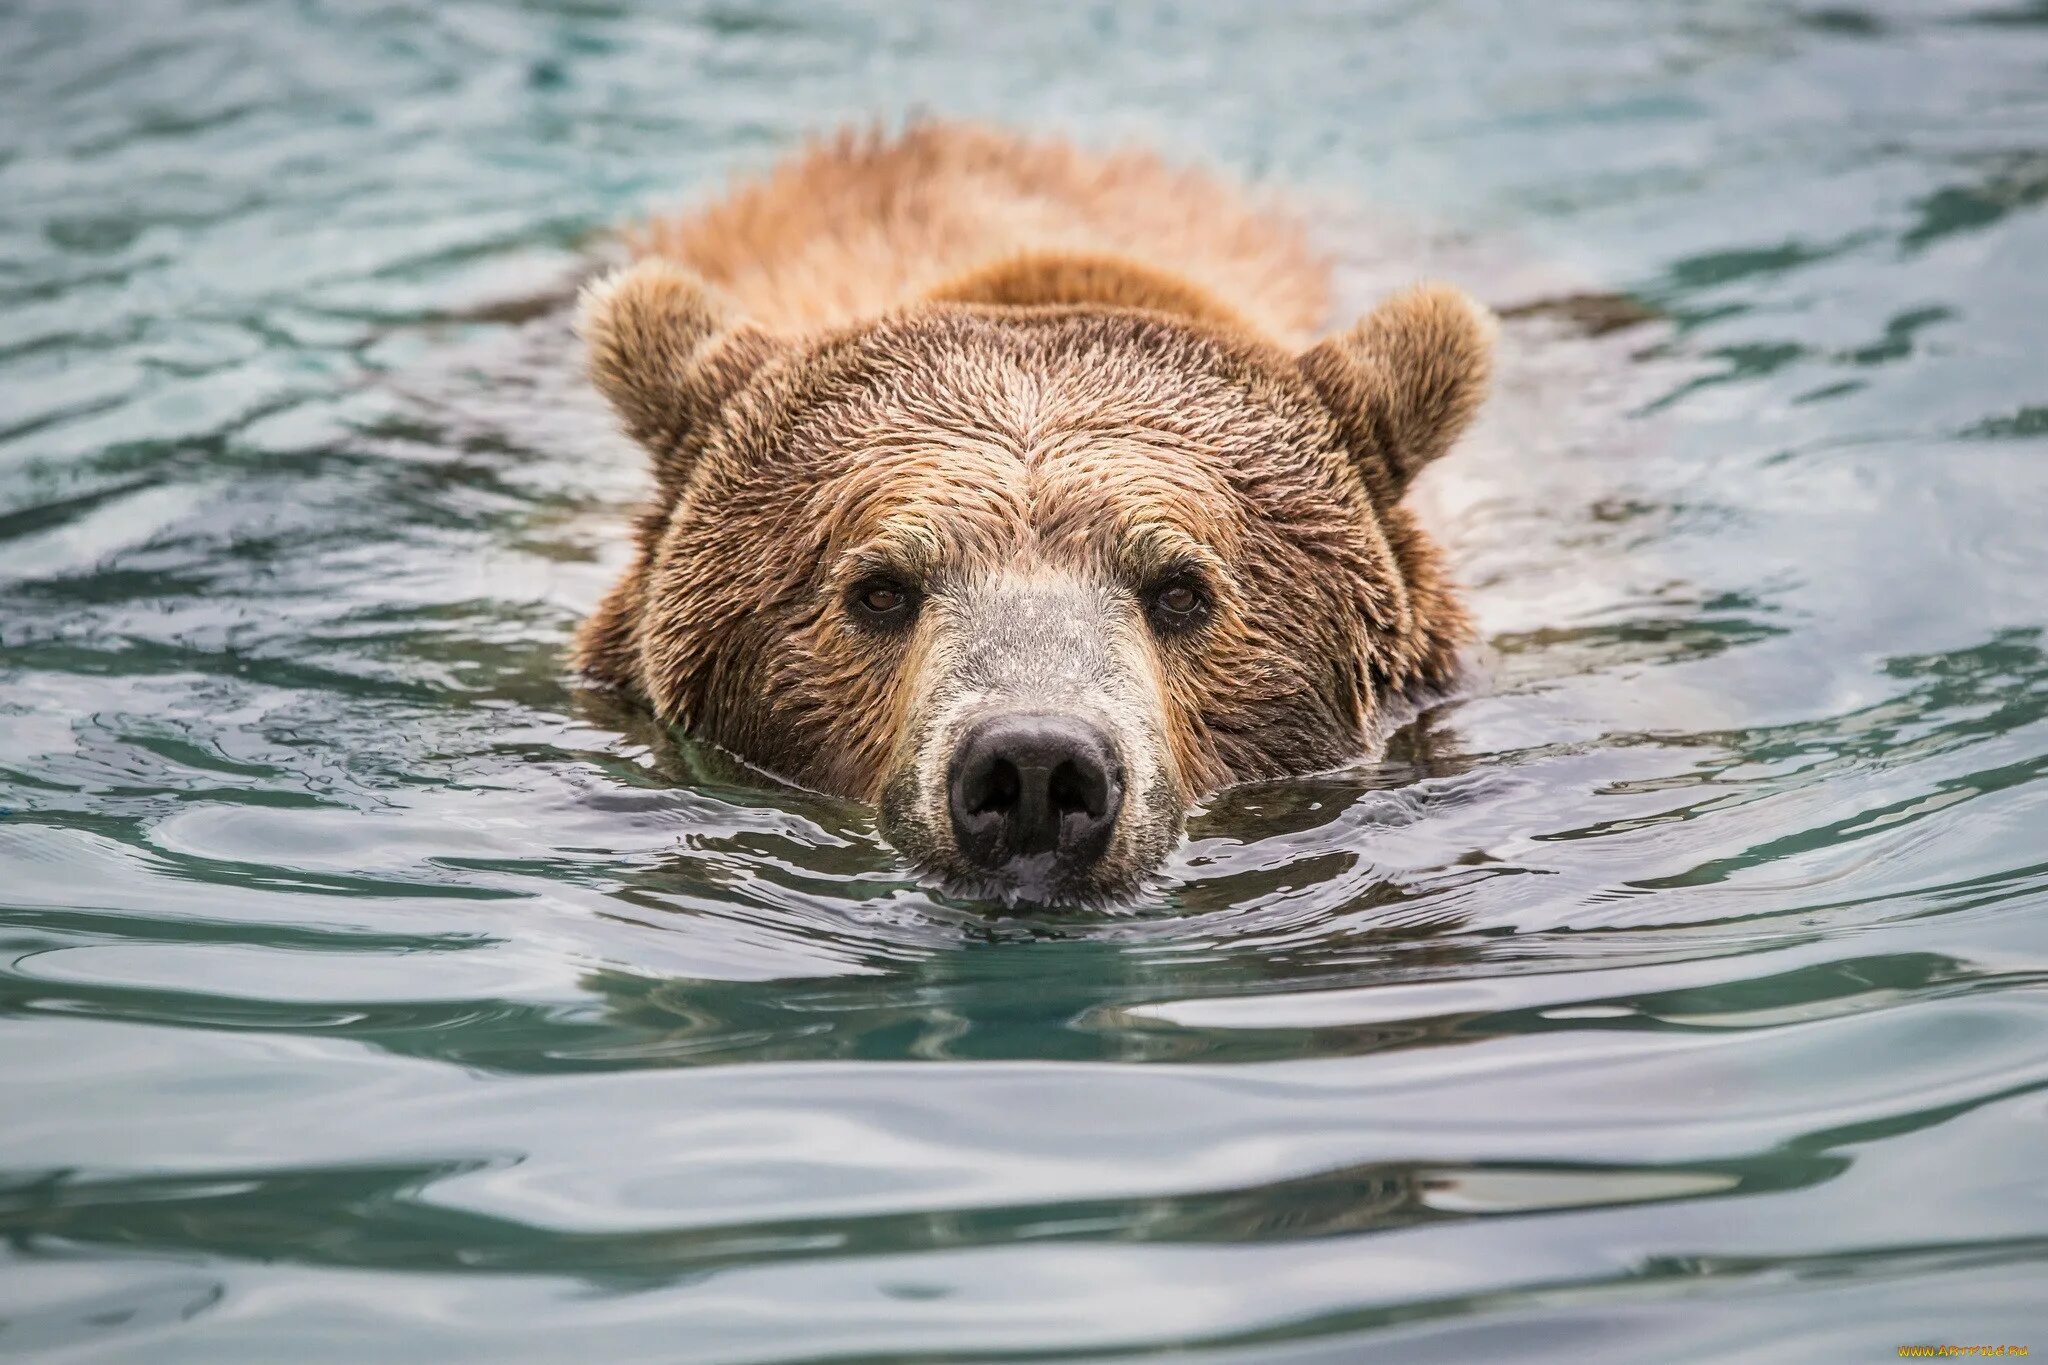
(1031, 579)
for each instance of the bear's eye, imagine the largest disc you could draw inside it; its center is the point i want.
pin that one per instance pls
(882, 602)
(1177, 605)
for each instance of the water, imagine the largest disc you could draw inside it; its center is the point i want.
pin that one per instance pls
(371, 993)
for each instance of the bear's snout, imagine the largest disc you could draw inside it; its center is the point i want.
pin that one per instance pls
(1034, 785)
(1033, 766)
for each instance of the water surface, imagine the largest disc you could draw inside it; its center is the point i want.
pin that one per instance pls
(370, 993)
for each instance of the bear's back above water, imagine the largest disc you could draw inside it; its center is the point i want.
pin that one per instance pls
(999, 484)
(862, 224)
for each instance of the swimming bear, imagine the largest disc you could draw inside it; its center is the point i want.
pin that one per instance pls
(1009, 488)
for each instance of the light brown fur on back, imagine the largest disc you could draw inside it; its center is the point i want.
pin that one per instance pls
(860, 224)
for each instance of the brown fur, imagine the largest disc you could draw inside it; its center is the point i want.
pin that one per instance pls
(967, 360)
(859, 224)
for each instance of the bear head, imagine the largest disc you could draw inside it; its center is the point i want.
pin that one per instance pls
(1030, 577)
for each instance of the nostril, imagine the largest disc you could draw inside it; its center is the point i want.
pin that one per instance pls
(999, 789)
(1075, 791)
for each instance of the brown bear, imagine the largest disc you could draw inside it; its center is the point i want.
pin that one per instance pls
(1005, 486)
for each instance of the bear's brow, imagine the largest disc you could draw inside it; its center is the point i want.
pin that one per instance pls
(1137, 547)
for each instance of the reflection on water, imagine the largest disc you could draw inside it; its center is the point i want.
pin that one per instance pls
(370, 991)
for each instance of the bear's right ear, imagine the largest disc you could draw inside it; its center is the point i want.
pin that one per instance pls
(664, 354)
(1405, 382)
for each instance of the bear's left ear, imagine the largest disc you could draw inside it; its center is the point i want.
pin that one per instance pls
(666, 356)
(1405, 382)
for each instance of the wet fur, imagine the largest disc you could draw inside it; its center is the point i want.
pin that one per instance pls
(1015, 373)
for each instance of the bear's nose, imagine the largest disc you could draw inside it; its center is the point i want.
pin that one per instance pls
(1029, 784)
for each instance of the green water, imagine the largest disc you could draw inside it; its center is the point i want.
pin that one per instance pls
(369, 993)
